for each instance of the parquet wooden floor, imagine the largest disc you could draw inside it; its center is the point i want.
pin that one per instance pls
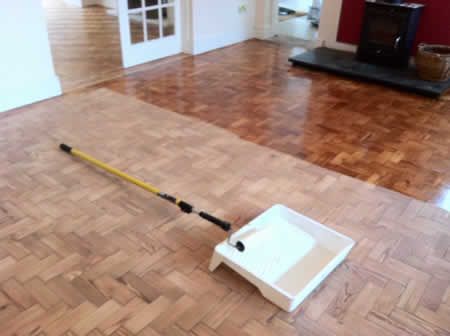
(386, 137)
(81, 253)
(85, 44)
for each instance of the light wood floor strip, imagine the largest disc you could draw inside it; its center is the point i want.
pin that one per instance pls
(82, 253)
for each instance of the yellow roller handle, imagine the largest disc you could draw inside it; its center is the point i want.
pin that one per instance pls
(184, 206)
(114, 171)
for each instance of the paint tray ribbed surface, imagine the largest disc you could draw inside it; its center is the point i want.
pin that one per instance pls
(287, 255)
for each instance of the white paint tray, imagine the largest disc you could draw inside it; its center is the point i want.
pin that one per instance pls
(287, 255)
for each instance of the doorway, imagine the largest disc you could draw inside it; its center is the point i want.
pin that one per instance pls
(85, 43)
(96, 40)
(297, 19)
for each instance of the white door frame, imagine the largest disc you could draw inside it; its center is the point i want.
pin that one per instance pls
(275, 20)
(328, 29)
(329, 26)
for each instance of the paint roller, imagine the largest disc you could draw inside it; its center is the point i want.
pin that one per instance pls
(184, 206)
(250, 239)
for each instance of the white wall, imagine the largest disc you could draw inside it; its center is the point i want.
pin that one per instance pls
(107, 3)
(218, 23)
(329, 26)
(78, 3)
(27, 74)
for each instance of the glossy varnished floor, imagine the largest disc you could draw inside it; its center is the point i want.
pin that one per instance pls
(389, 138)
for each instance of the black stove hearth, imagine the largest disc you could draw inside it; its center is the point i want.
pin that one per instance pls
(345, 63)
(384, 52)
(388, 32)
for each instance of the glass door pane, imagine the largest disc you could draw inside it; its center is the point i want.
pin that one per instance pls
(152, 23)
(157, 22)
(132, 4)
(149, 30)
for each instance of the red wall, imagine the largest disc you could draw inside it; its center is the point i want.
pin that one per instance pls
(434, 25)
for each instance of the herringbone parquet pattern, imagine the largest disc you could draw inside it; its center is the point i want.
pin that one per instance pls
(81, 253)
(85, 43)
(389, 138)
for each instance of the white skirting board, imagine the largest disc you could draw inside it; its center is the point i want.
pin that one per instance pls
(205, 43)
(287, 255)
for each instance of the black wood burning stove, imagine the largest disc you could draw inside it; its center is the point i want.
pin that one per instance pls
(388, 32)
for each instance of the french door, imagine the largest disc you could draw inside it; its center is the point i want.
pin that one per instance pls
(149, 30)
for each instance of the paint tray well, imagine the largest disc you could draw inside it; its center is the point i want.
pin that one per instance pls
(287, 255)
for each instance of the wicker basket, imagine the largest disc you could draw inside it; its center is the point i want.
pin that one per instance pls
(433, 62)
